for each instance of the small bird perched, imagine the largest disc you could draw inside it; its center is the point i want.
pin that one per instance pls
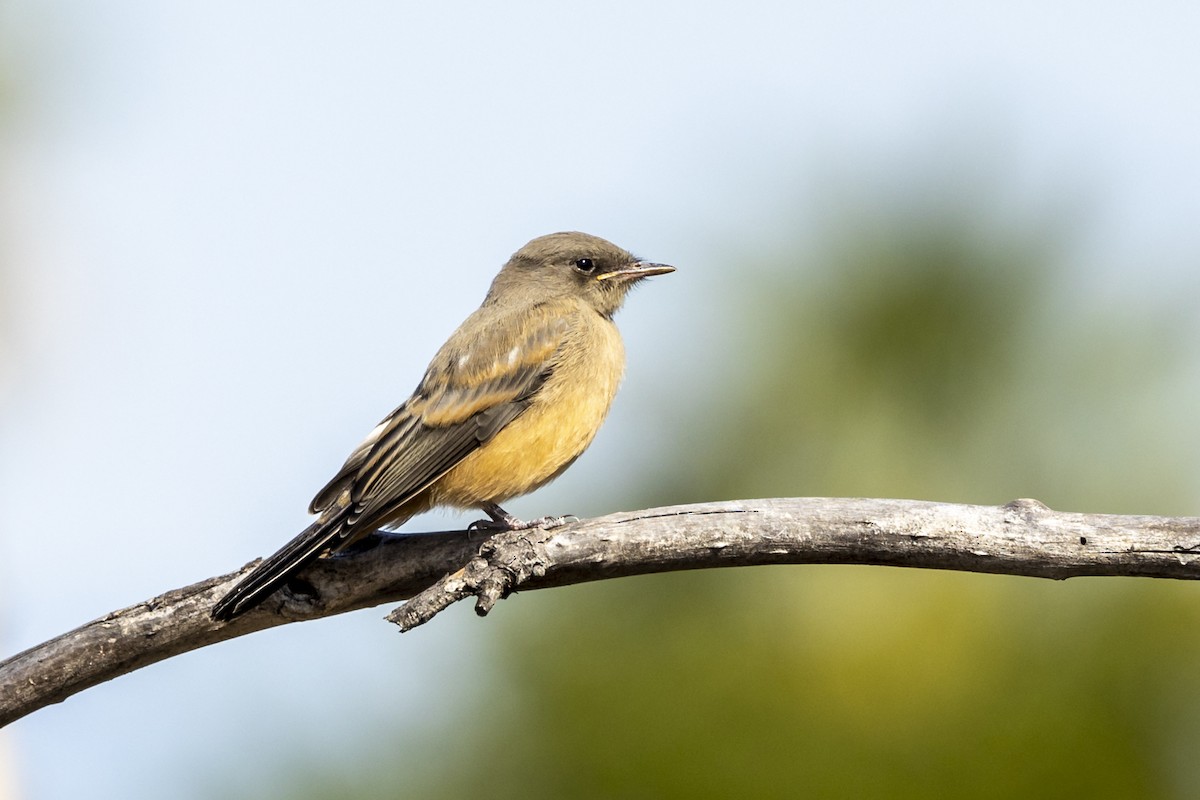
(510, 401)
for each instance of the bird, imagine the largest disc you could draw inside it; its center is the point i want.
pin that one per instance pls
(513, 398)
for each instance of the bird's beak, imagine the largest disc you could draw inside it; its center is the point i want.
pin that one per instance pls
(636, 271)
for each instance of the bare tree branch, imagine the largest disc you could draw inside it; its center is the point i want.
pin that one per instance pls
(1021, 538)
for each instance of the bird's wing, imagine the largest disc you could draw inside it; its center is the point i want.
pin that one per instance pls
(481, 380)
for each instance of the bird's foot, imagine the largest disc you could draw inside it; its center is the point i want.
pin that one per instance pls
(501, 521)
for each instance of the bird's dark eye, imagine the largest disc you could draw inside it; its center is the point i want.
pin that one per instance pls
(585, 265)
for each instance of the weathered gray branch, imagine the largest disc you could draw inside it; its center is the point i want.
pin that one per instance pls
(1020, 538)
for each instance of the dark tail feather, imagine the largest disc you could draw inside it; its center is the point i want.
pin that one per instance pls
(276, 570)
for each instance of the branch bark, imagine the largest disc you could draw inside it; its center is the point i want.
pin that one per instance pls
(435, 570)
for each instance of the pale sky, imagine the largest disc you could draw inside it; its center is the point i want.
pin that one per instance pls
(236, 235)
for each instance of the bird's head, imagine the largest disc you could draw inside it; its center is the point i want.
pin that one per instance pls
(573, 265)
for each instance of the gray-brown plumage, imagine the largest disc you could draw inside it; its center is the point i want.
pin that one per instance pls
(509, 402)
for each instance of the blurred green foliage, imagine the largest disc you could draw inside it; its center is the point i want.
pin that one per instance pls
(928, 352)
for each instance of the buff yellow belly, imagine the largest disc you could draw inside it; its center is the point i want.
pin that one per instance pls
(557, 427)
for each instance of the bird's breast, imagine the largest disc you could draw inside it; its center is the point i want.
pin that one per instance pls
(561, 421)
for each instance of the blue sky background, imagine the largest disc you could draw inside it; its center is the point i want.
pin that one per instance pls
(232, 237)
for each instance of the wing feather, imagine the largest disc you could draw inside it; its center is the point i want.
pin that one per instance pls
(479, 382)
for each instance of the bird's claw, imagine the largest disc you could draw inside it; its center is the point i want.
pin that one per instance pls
(504, 522)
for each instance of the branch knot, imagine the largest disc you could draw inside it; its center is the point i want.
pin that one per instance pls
(505, 562)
